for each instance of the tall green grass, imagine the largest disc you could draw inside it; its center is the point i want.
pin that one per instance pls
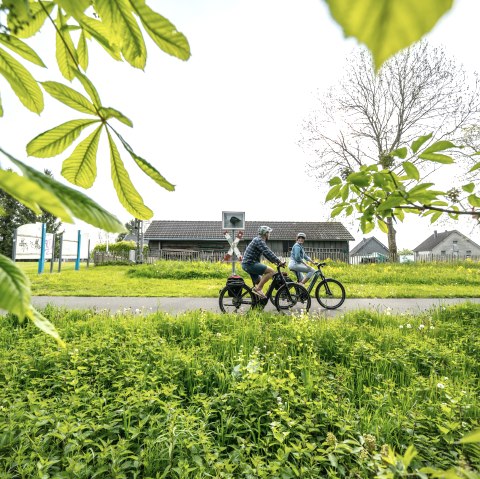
(266, 396)
(178, 279)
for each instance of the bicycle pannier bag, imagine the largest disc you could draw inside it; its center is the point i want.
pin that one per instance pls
(234, 285)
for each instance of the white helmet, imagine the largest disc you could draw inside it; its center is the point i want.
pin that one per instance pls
(301, 235)
(263, 230)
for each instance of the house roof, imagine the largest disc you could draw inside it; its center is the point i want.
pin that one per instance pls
(369, 245)
(212, 230)
(436, 238)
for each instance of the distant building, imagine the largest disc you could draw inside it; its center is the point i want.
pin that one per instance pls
(447, 244)
(369, 250)
(208, 236)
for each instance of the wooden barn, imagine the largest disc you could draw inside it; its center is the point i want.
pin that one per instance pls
(207, 236)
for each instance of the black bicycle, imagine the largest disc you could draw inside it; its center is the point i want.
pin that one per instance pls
(330, 293)
(238, 297)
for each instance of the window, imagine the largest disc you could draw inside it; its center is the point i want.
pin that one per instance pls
(443, 252)
(468, 253)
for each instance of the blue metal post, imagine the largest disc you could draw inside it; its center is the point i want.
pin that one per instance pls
(77, 262)
(41, 261)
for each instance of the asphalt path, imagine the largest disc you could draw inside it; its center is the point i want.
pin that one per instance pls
(145, 305)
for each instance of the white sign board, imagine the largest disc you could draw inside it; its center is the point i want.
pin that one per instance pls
(69, 244)
(233, 220)
(29, 242)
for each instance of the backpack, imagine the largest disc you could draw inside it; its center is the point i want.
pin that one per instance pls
(234, 285)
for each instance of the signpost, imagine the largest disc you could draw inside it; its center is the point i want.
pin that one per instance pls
(232, 220)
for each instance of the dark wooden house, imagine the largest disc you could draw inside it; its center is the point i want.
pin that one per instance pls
(208, 236)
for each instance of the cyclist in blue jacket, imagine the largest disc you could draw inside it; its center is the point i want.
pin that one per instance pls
(298, 259)
(260, 272)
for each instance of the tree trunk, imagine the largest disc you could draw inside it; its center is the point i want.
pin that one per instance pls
(392, 240)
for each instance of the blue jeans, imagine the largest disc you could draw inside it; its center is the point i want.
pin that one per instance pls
(255, 270)
(301, 268)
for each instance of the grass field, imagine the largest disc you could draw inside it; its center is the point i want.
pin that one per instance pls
(205, 395)
(193, 279)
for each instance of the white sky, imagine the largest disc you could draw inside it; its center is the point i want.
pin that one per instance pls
(223, 126)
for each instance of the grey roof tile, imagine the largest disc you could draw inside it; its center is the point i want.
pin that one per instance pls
(212, 230)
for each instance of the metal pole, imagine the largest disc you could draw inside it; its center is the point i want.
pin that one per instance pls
(14, 245)
(88, 253)
(53, 253)
(233, 254)
(41, 261)
(79, 239)
(60, 253)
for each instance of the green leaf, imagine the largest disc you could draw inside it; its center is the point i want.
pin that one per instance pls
(359, 179)
(400, 152)
(345, 191)
(15, 290)
(32, 195)
(475, 167)
(102, 35)
(108, 113)
(81, 167)
(437, 158)
(471, 437)
(38, 15)
(336, 211)
(75, 8)
(474, 200)
(439, 146)
(468, 188)
(126, 192)
(147, 168)
(335, 181)
(435, 216)
(22, 82)
(68, 96)
(89, 88)
(162, 31)
(416, 144)
(66, 53)
(81, 206)
(387, 26)
(82, 51)
(53, 142)
(382, 225)
(44, 325)
(366, 225)
(380, 180)
(333, 193)
(411, 170)
(1, 108)
(391, 202)
(117, 15)
(21, 48)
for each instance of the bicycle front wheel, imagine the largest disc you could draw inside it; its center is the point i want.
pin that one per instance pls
(330, 293)
(236, 300)
(292, 296)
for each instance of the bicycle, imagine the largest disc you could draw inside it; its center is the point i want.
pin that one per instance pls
(330, 293)
(238, 297)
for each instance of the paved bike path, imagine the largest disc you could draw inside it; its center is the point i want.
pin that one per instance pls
(146, 305)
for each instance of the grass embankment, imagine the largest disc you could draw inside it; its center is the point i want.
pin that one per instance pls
(177, 279)
(266, 396)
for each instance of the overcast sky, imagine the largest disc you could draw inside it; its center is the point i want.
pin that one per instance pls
(224, 126)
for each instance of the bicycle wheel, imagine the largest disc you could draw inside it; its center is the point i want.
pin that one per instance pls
(292, 296)
(330, 293)
(238, 300)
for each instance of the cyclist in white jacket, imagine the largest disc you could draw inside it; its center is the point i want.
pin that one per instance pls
(298, 260)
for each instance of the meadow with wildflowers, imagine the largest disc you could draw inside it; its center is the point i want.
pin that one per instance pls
(204, 395)
(203, 279)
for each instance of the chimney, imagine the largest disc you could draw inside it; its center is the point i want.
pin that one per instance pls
(435, 234)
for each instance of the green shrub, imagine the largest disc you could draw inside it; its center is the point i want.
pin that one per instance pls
(265, 396)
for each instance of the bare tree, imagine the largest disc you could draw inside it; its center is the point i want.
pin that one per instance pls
(368, 115)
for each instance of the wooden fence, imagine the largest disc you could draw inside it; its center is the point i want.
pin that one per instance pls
(317, 254)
